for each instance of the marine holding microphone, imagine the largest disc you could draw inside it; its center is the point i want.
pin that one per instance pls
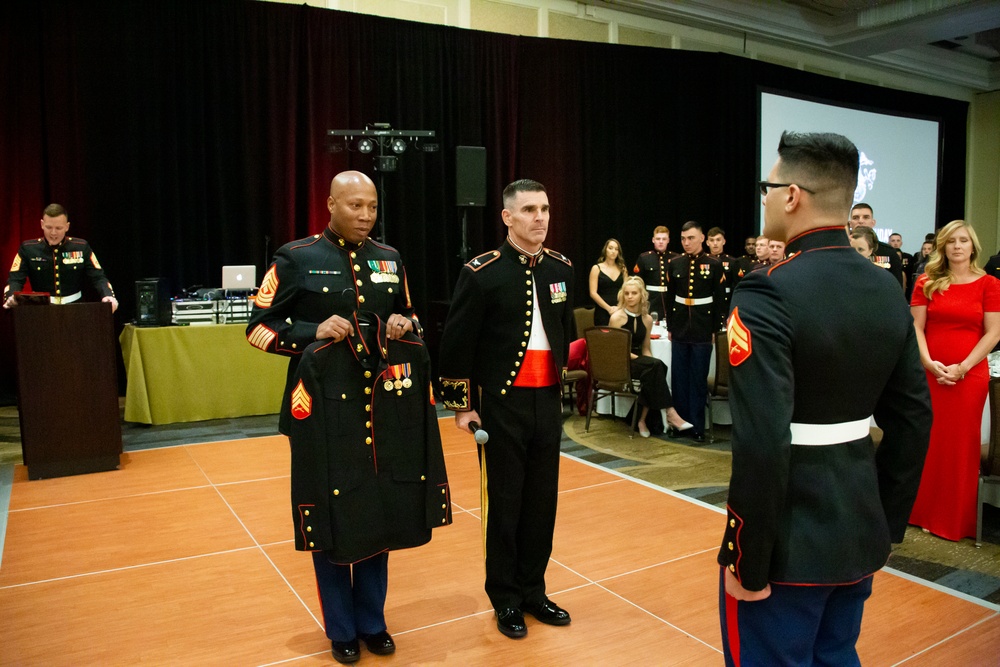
(504, 345)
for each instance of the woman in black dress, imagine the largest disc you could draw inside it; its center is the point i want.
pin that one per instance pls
(633, 314)
(606, 281)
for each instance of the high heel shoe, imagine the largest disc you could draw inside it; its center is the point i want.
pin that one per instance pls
(643, 432)
(675, 431)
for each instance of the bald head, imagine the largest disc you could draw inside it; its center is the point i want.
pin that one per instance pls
(353, 205)
(346, 179)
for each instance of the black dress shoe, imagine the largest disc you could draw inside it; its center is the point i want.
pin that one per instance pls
(379, 643)
(510, 621)
(548, 612)
(346, 652)
(698, 437)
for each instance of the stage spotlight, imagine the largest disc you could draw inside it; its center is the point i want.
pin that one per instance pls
(365, 145)
(398, 145)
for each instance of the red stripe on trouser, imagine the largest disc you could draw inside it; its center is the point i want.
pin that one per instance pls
(733, 628)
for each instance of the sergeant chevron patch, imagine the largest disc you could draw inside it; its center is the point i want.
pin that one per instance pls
(739, 339)
(267, 288)
(301, 402)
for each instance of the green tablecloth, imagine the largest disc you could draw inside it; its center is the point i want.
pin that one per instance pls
(193, 373)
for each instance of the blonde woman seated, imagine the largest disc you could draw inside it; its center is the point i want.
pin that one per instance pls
(633, 314)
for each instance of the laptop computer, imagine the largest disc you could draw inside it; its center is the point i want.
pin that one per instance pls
(239, 277)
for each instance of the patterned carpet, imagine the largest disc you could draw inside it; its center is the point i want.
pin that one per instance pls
(698, 471)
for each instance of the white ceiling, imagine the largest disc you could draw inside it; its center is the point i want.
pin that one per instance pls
(953, 41)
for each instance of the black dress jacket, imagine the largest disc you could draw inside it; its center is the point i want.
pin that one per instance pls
(489, 324)
(61, 270)
(368, 472)
(811, 501)
(697, 294)
(314, 278)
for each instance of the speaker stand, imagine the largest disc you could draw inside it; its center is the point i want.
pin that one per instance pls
(463, 252)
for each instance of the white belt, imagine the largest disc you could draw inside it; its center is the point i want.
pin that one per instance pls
(655, 288)
(829, 434)
(705, 300)
(59, 300)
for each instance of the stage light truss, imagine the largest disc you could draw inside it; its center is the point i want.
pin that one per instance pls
(387, 146)
(385, 143)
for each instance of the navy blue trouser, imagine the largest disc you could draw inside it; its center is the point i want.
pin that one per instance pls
(520, 485)
(352, 596)
(689, 377)
(803, 626)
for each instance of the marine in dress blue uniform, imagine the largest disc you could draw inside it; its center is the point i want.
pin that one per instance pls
(311, 293)
(730, 267)
(813, 506)
(696, 290)
(885, 256)
(716, 242)
(651, 266)
(503, 347)
(368, 472)
(58, 264)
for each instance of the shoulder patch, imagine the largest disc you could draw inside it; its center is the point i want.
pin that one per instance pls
(268, 288)
(561, 257)
(738, 336)
(484, 259)
(301, 402)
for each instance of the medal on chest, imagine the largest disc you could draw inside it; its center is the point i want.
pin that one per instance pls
(558, 292)
(383, 271)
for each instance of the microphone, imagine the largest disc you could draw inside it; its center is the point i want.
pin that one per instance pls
(482, 437)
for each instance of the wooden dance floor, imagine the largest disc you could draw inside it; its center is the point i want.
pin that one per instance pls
(185, 557)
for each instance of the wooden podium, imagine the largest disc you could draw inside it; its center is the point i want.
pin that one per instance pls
(67, 389)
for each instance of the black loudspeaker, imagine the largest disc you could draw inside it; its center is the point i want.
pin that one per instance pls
(470, 176)
(152, 302)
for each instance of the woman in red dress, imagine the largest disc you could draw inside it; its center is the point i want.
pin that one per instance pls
(956, 313)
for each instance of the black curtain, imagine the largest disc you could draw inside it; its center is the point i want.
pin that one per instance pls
(183, 135)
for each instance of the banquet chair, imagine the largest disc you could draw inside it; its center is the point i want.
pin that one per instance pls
(576, 377)
(989, 464)
(570, 379)
(610, 351)
(584, 318)
(718, 386)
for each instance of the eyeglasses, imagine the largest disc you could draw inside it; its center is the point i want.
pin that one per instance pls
(764, 185)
